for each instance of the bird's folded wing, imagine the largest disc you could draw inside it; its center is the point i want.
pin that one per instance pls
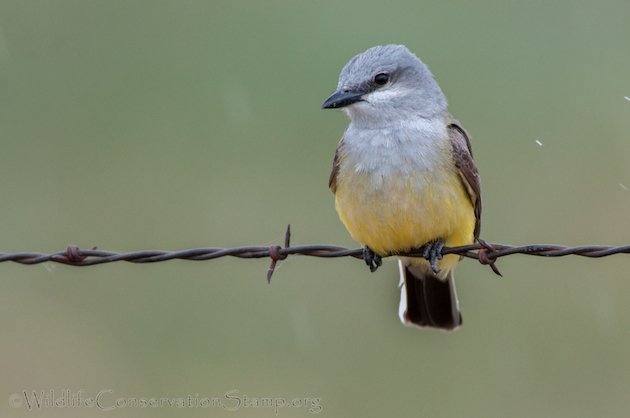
(462, 156)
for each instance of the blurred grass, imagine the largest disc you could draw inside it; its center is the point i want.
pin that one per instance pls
(133, 125)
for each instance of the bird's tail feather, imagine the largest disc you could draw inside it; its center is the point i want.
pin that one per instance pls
(427, 300)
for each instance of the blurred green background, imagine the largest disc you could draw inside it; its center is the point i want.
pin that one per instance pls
(174, 124)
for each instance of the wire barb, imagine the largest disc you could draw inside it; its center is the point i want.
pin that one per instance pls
(485, 259)
(275, 253)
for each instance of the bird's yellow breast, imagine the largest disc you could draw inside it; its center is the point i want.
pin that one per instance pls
(396, 212)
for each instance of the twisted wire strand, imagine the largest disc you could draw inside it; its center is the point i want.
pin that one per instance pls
(74, 256)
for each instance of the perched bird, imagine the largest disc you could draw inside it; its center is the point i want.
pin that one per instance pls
(403, 177)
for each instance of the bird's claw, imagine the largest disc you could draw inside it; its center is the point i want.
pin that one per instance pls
(433, 253)
(372, 260)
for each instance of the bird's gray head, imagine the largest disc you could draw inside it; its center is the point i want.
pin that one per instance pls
(386, 84)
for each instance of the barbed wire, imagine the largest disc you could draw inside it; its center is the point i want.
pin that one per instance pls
(484, 252)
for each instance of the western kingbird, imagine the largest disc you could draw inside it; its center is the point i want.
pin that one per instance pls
(403, 177)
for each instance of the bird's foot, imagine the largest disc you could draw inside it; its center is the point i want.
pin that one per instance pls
(373, 260)
(433, 253)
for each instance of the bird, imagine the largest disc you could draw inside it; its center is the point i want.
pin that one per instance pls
(403, 178)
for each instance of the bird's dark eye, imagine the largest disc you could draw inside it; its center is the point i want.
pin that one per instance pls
(381, 78)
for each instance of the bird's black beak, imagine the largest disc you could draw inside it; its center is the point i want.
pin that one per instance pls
(342, 98)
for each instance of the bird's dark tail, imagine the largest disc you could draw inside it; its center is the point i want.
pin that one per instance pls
(427, 300)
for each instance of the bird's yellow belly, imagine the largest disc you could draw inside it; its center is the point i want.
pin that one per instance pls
(392, 215)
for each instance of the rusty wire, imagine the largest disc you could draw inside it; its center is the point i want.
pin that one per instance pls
(485, 253)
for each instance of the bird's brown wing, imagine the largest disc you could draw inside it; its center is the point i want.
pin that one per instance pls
(462, 156)
(332, 181)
